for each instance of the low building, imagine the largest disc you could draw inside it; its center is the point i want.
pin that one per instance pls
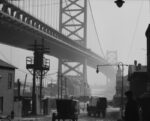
(76, 87)
(137, 77)
(7, 75)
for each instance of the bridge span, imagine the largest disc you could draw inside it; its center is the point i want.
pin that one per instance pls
(20, 29)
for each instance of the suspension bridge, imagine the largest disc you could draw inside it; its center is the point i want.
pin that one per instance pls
(62, 24)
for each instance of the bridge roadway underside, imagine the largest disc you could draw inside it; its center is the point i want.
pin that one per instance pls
(21, 35)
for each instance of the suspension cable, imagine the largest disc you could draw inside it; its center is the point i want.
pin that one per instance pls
(96, 29)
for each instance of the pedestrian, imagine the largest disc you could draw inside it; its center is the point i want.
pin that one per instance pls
(12, 114)
(131, 109)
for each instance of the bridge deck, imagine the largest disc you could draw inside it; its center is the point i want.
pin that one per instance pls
(19, 29)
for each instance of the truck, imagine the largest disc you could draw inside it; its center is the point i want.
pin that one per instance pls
(66, 109)
(97, 106)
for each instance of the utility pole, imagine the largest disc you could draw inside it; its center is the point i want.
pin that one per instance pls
(38, 66)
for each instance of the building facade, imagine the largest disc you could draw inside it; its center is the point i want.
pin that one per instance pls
(7, 75)
(138, 77)
(120, 79)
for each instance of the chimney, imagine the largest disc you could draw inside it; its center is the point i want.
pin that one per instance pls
(135, 65)
(135, 62)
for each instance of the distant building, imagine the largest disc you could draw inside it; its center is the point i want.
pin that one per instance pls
(76, 87)
(7, 75)
(51, 90)
(117, 97)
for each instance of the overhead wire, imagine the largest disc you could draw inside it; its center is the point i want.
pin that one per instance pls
(100, 45)
(135, 30)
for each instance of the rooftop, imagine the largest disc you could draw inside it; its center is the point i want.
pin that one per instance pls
(4, 64)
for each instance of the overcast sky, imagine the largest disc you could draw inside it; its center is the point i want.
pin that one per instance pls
(122, 29)
(119, 29)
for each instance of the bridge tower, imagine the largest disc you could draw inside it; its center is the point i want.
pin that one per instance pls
(73, 23)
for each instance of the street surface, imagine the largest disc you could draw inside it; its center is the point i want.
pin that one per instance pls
(113, 114)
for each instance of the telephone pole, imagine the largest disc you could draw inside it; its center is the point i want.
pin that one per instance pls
(38, 66)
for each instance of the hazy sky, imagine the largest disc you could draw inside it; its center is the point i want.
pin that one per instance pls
(122, 29)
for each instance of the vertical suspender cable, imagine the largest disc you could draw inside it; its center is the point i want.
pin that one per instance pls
(44, 10)
(55, 16)
(28, 6)
(52, 14)
(36, 9)
(48, 12)
(40, 10)
(23, 4)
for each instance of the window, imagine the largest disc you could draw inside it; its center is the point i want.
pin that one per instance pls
(10, 79)
(1, 104)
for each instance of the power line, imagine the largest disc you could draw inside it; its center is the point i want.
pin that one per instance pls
(135, 30)
(96, 29)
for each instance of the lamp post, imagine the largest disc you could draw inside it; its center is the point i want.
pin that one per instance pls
(122, 89)
(122, 79)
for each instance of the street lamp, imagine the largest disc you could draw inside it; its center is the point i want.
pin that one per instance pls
(119, 3)
(122, 74)
(122, 89)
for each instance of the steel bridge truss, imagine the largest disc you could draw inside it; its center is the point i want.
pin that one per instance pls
(73, 23)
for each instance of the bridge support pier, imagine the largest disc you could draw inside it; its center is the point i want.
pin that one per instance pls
(73, 23)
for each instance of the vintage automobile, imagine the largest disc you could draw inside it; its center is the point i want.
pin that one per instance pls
(66, 109)
(97, 106)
